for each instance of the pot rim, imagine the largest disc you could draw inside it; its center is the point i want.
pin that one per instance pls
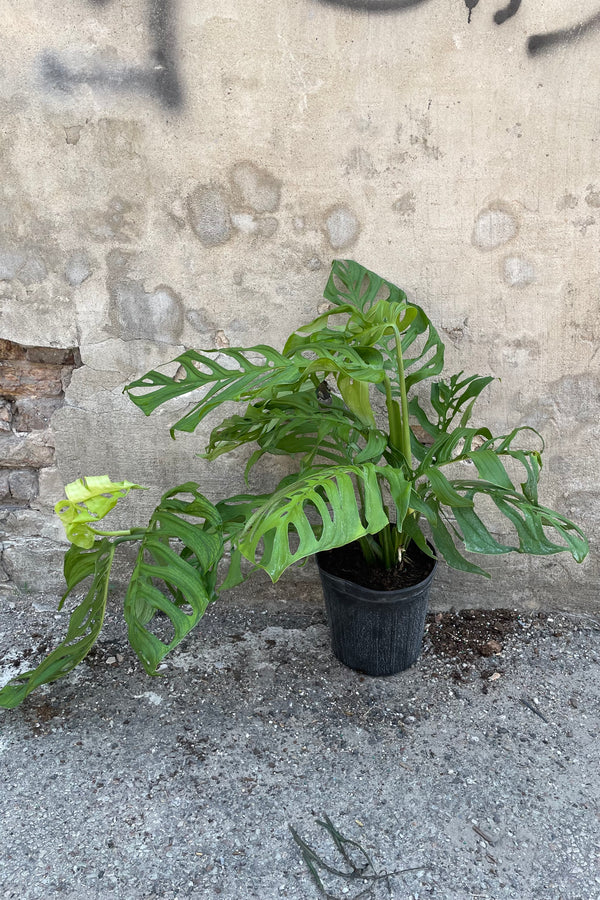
(382, 595)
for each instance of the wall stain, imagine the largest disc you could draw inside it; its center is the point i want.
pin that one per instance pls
(592, 198)
(255, 187)
(494, 227)
(209, 214)
(405, 205)
(341, 227)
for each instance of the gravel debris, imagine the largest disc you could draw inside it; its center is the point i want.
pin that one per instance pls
(477, 769)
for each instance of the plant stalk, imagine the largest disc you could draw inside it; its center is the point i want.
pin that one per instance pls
(405, 427)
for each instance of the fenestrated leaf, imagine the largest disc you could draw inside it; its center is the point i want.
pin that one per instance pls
(530, 520)
(529, 524)
(429, 356)
(298, 424)
(89, 500)
(84, 626)
(476, 536)
(350, 283)
(189, 574)
(446, 546)
(490, 467)
(254, 372)
(448, 399)
(444, 490)
(330, 492)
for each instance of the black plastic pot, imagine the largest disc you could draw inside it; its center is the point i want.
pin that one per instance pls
(375, 632)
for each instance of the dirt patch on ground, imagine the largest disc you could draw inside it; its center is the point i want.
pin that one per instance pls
(477, 643)
(469, 634)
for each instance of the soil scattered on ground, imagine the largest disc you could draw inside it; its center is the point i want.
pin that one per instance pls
(471, 633)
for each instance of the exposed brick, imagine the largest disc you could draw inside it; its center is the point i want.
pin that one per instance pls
(10, 350)
(34, 450)
(6, 415)
(21, 378)
(23, 484)
(54, 356)
(31, 414)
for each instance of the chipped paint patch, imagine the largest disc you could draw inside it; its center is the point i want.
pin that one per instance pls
(341, 227)
(518, 272)
(208, 214)
(494, 227)
(256, 187)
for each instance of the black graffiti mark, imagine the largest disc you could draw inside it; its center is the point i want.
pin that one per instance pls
(375, 5)
(159, 78)
(470, 4)
(508, 12)
(538, 43)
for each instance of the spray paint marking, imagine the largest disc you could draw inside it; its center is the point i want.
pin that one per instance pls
(538, 43)
(470, 4)
(508, 12)
(157, 79)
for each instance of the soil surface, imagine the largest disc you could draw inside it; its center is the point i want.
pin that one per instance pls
(348, 562)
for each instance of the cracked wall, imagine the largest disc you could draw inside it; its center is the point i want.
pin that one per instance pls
(177, 174)
(33, 381)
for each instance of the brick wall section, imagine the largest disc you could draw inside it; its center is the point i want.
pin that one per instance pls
(32, 387)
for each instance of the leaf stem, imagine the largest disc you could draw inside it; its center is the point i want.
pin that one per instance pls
(393, 411)
(405, 428)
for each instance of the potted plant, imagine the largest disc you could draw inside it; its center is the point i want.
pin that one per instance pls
(372, 484)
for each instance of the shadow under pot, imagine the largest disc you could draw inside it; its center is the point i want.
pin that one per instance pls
(376, 631)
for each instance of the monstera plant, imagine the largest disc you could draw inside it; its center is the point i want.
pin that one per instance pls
(384, 474)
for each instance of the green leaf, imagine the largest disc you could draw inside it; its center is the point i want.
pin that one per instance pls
(298, 424)
(477, 538)
(447, 399)
(84, 626)
(252, 372)
(329, 492)
(446, 546)
(189, 574)
(356, 397)
(352, 284)
(490, 468)
(443, 489)
(530, 521)
(89, 500)
(383, 305)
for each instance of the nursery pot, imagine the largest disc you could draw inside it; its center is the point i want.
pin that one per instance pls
(378, 632)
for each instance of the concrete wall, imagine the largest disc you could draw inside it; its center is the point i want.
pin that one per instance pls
(179, 173)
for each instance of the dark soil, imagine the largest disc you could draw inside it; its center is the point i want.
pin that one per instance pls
(349, 563)
(469, 634)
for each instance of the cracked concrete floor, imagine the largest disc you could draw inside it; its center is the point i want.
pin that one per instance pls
(477, 770)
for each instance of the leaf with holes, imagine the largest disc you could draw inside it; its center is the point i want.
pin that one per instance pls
(249, 373)
(84, 626)
(189, 574)
(330, 494)
(89, 500)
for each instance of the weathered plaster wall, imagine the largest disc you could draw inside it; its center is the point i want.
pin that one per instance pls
(178, 173)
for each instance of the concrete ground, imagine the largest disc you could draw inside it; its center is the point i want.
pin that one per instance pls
(478, 769)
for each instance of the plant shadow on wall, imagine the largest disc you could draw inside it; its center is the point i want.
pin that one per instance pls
(378, 488)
